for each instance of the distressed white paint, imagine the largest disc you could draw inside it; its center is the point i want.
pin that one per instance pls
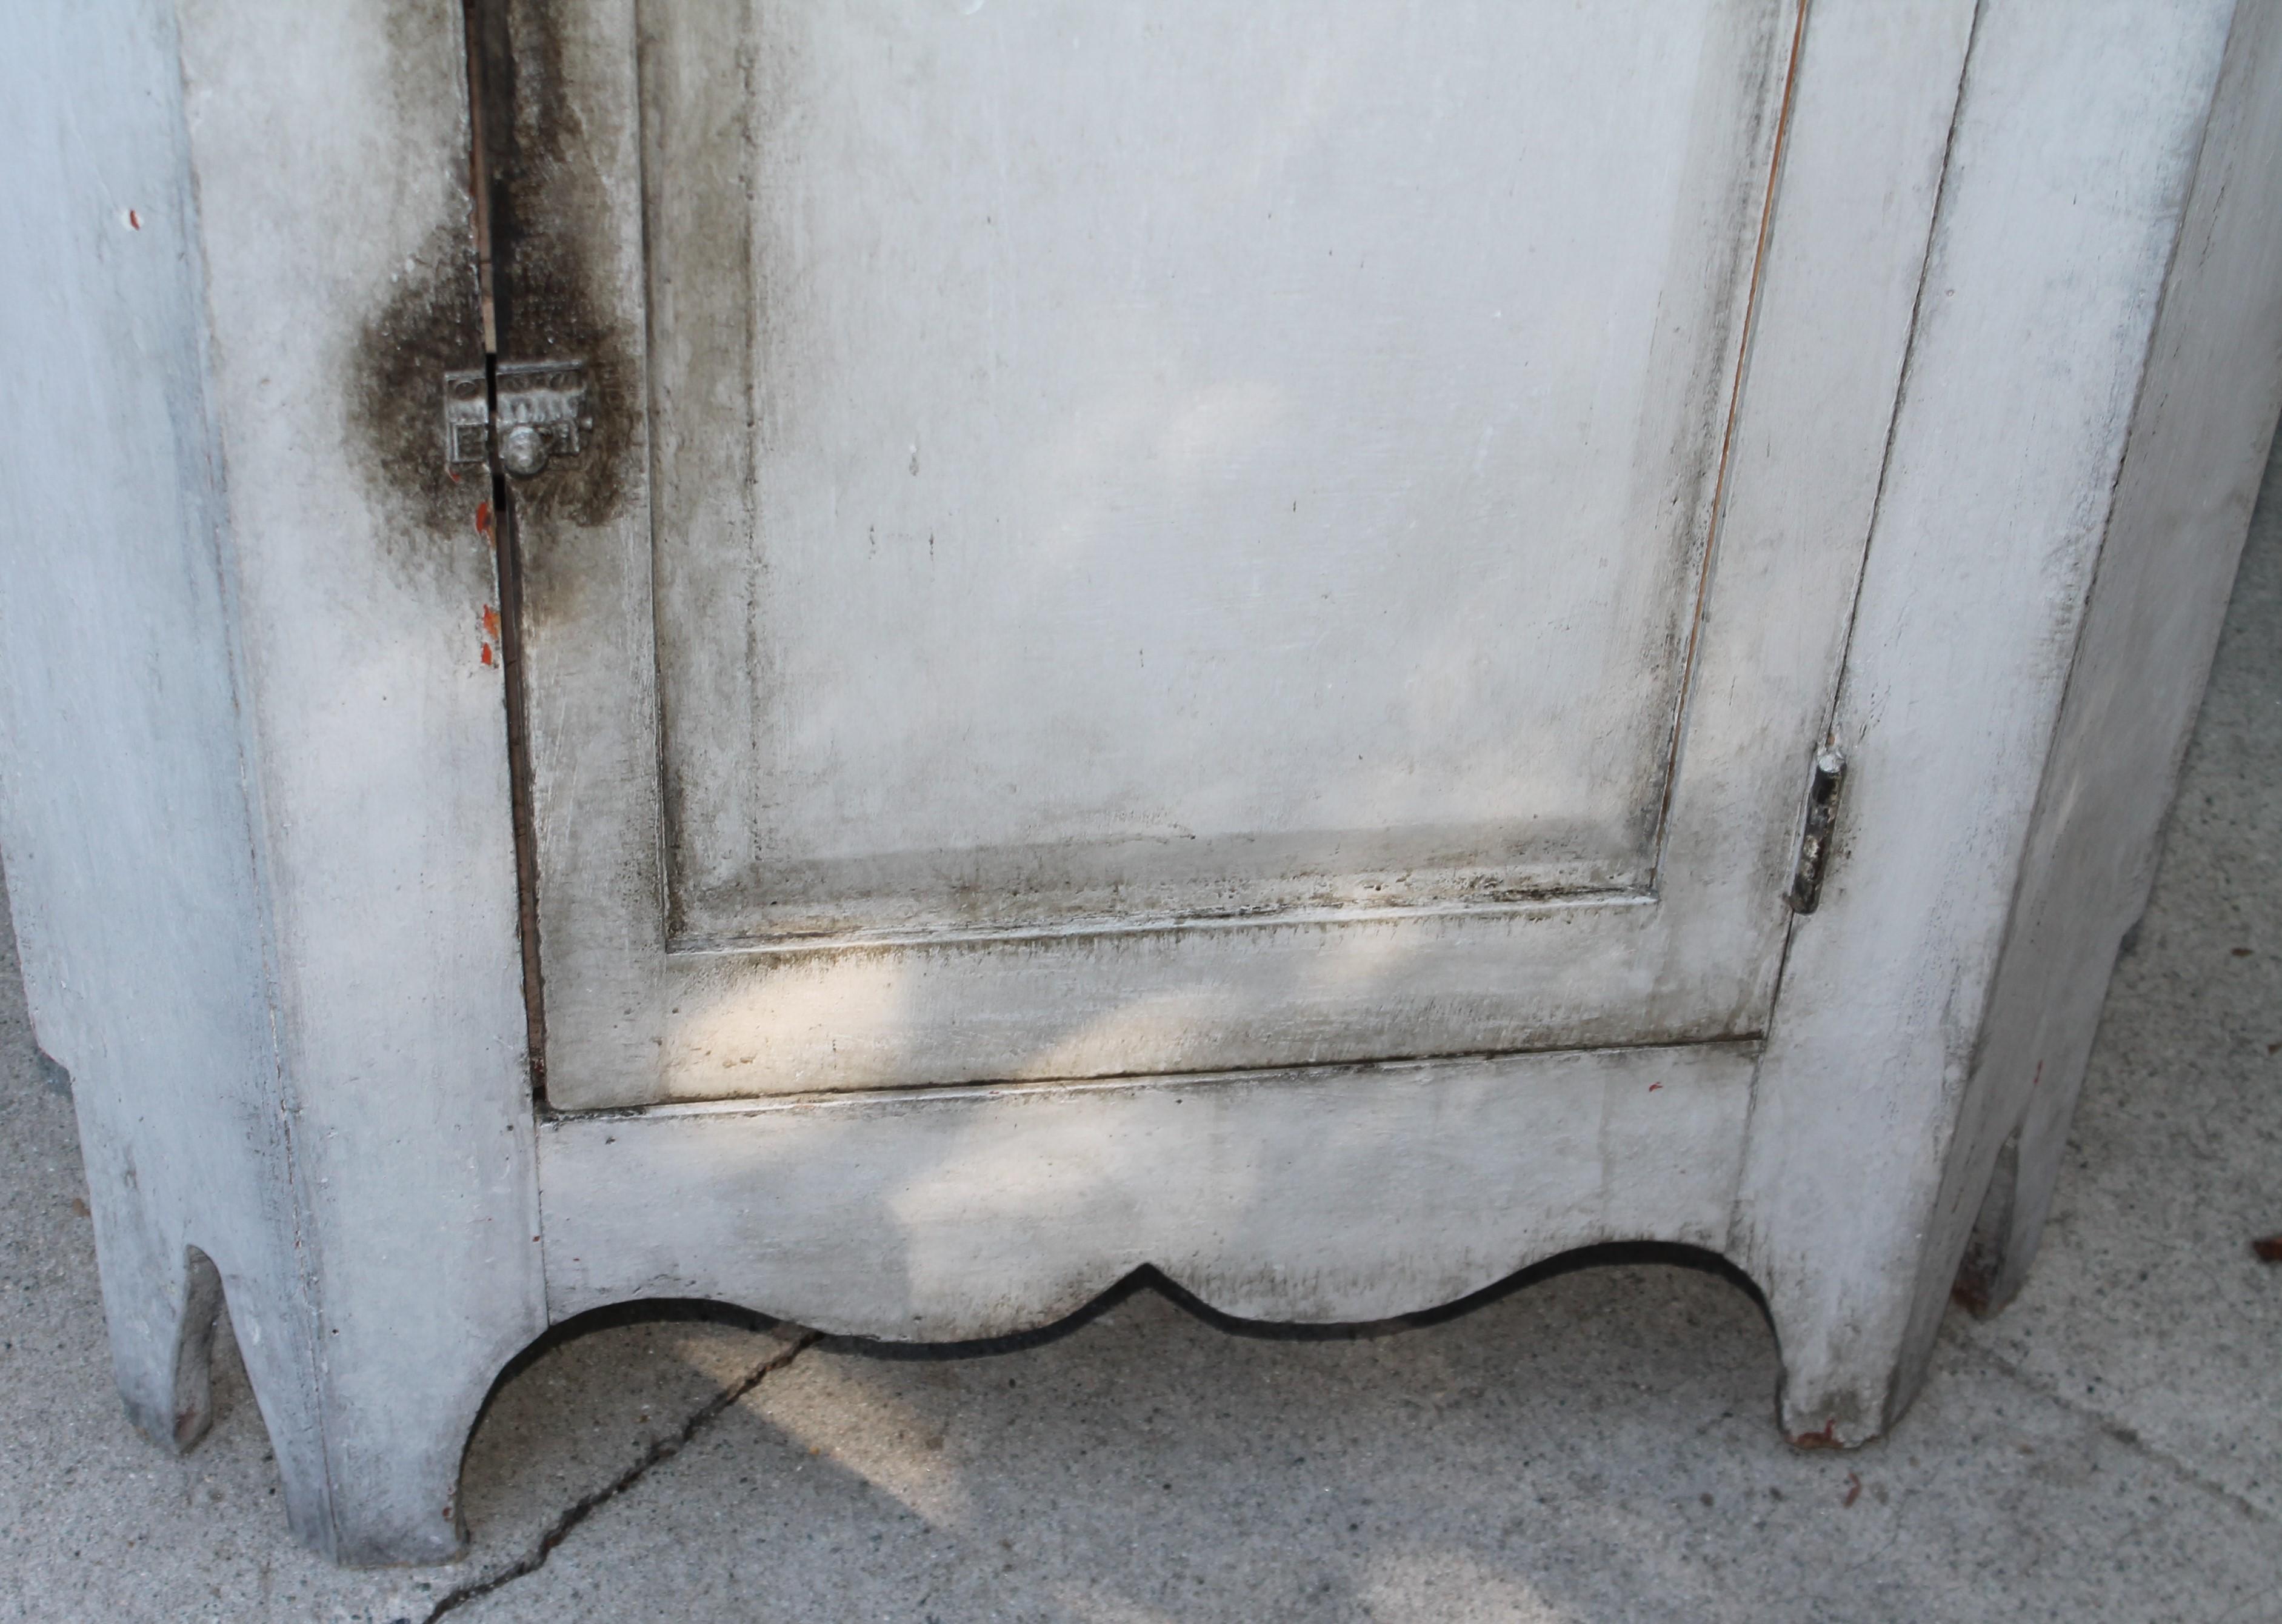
(1011, 900)
(2069, 177)
(255, 811)
(1124, 536)
(377, 737)
(124, 815)
(2182, 498)
(1330, 1193)
(257, 825)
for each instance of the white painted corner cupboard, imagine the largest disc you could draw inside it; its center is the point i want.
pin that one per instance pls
(922, 654)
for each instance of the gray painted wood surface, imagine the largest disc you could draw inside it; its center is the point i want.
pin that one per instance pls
(149, 964)
(2014, 350)
(2077, 149)
(263, 856)
(1324, 1194)
(2181, 501)
(862, 927)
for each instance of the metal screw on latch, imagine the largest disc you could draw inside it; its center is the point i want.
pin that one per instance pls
(523, 451)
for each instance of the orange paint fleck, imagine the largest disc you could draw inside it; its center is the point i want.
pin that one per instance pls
(482, 518)
(487, 654)
(1827, 1439)
(491, 621)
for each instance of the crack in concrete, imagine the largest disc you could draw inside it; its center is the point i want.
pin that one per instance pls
(659, 1451)
(2117, 1431)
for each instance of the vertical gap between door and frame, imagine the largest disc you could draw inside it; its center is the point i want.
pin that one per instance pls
(491, 90)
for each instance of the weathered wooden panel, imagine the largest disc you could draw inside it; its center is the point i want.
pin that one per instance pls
(2074, 149)
(1194, 462)
(331, 153)
(2181, 506)
(257, 821)
(860, 741)
(255, 816)
(130, 837)
(1335, 1193)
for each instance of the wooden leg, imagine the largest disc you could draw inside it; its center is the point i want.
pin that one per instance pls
(2011, 1224)
(162, 1346)
(368, 1457)
(1853, 1363)
(1833, 1406)
(1982, 1286)
(396, 1416)
(394, 1493)
(1853, 1356)
(375, 1476)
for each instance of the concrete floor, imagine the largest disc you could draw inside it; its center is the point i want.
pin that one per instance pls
(1596, 1441)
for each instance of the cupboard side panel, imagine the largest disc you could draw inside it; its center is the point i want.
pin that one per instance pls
(2073, 153)
(124, 813)
(330, 148)
(2181, 507)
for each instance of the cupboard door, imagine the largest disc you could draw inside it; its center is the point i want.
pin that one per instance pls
(1125, 539)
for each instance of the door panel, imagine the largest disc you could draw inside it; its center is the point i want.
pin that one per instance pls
(1183, 539)
(1194, 464)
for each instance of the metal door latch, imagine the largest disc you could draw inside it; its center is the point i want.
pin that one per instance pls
(542, 415)
(1814, 833)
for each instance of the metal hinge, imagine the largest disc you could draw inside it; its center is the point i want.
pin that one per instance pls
(1814, 830)
(542, 414)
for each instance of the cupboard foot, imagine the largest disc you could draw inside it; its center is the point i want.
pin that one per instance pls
(162, 1353)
